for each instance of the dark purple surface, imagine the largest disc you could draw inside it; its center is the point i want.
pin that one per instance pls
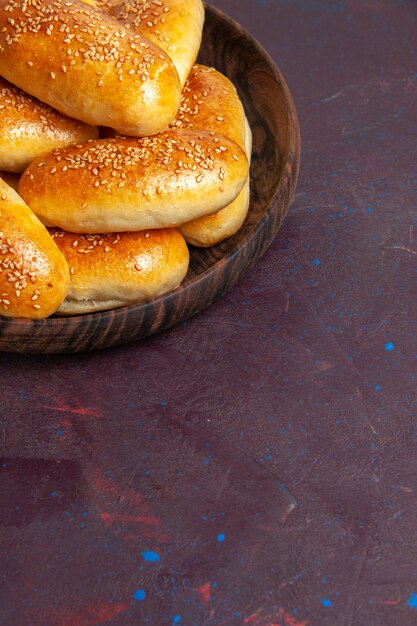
(297, 387)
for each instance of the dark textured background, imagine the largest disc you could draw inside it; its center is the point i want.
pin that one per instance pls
(257, 464)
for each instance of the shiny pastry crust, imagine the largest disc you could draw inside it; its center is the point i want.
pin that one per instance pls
(207, 92)
(29, 129)
(119, 269)
(126, 184)
(174, 25)
(34, 276)
(87, 66)
(212, 229)
(210, 100)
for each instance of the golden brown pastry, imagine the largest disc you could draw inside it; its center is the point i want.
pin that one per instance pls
(209, 100)
(206, 93)
(212, 229)
(174, 25)
(127, 184)
(29, 129)
(117, 269)
(87, 66)
(34, 276)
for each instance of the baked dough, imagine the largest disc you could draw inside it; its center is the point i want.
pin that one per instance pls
(29, 129)
(206, 93)
(118, 269)
(87, 65)
(210, 100)
(174, 25)
(127, 184)
(212, 229)
(34, 276)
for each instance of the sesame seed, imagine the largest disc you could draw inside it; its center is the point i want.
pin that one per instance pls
(108, 164)
(98, 38)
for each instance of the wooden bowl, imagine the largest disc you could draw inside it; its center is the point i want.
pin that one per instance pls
(274, 170)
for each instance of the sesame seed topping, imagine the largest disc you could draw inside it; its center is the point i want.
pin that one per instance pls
(15, 271)
(96, 37)
(18, 104)
(145, 16)
(107, 163)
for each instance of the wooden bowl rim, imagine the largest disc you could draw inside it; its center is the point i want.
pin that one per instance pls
(56, 323)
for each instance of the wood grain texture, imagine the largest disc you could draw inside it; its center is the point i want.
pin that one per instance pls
(213, 271)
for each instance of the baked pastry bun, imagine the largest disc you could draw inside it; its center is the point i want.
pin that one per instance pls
(212, 229)
(174, 25)
(127, 184)
(34, 276)
(29, 129)
(87, 65)
(118, 269)
(210, 100)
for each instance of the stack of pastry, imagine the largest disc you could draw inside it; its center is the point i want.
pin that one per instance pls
(115, 150)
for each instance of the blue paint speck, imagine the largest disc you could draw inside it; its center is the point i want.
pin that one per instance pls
(221, 537)
(317, 262)
(139, 595)
(53, 494)
(176, 619)
(389, 346)
(377, 387)
(151, 557)
(326, 602)
(412, 600)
